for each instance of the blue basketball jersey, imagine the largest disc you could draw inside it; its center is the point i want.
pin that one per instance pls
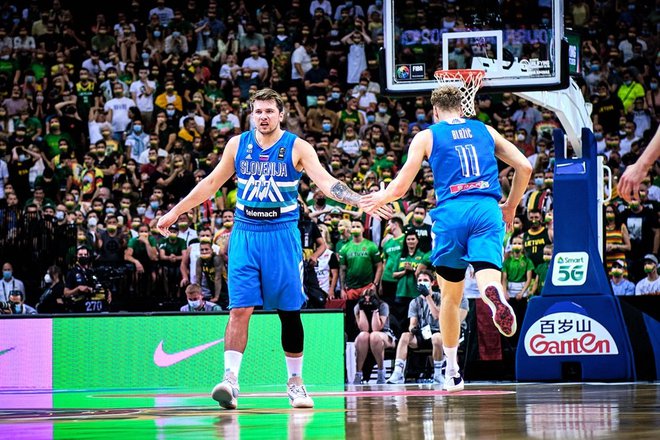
(463, 160)
(267, 181)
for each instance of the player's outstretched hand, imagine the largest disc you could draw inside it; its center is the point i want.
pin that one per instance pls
(375, 204)
(508, 213)
(165, 222)
(628, 186)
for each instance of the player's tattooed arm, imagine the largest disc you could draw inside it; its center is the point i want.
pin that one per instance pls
(343, 193)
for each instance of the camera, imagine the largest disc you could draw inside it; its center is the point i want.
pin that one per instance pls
(5, 305)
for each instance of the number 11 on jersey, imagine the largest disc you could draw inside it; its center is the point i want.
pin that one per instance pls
(469, 160)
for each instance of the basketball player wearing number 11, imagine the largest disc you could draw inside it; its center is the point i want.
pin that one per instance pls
(468, 224)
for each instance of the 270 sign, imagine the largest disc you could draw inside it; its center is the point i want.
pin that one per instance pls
(570, 268)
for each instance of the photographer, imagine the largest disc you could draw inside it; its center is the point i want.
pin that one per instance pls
(15, 305)
(372, 317)
(82, 291)
(424, 329)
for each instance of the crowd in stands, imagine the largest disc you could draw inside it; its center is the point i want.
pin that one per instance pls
(106, 123)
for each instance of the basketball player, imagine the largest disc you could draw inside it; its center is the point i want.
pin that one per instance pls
(628, 186)
(467, 221)
(265, 253)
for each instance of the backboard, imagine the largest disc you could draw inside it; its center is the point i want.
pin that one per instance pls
(517, 42)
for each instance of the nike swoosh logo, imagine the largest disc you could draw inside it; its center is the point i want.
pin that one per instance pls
(6, 350)
(163, 359)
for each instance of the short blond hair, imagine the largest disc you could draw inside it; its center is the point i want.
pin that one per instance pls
(447, 97)
(267, 95)
(193, 288)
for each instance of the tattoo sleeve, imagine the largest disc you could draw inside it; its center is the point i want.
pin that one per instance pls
(343, 193)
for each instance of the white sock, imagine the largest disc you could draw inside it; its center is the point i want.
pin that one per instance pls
(233, 362)
(452, 360)
(294, 366)
(399, 366)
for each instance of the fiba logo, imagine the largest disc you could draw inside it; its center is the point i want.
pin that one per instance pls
(403, 71)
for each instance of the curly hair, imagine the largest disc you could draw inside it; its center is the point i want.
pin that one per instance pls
(447, 98)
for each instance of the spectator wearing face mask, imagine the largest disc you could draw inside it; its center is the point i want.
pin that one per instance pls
(621, 286)
(9, 283)
(650, 285)
(642, 225)
(51, 300)
(196, 301)
(536, 237)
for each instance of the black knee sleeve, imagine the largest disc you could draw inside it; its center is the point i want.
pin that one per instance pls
(451, 274)
(481, 265)
(293, 335)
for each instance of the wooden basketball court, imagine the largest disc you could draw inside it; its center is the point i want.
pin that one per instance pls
(483, 410)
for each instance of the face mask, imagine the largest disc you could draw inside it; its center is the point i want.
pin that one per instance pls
(421, 118)
(335, 165)
(418, 218)
(334, 221)
(183, 225)
(648, 268)
(516, 228)
(634, 205)
(538, 181)
(362, 88)
(598, 135)
(547, 258)
(154, 205)
(335, 95)
(520, 137)
(48, 279)
(628, 82)
(380, 151)
(356, 232)
(110, 210)
(69, 204)
(382, 110)
(83, 260)
(135, 226)
(137, 129)
(227, 224)
(371, 118)
(6, 274)
(206, 257)
(548, 182)
(516, 248)
(141, 210)
(654, 86)
(92, 222)
(426, 284)
(169, 112)
(327, 127)
(111, 228)
(195, 304)
(22, 157)
(616, 272)
(59, 215)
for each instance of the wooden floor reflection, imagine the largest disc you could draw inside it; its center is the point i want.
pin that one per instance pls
(482, 411)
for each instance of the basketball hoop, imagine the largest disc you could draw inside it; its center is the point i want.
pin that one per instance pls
(467, 80)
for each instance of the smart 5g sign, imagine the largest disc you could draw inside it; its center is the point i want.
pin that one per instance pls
(570, 268)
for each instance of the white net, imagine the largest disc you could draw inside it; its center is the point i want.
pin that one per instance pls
(468, 81)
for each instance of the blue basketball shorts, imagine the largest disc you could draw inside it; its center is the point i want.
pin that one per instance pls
(265, 267)
(465, 230)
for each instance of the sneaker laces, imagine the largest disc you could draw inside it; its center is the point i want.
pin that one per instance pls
(298, 390)
(231, 380)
